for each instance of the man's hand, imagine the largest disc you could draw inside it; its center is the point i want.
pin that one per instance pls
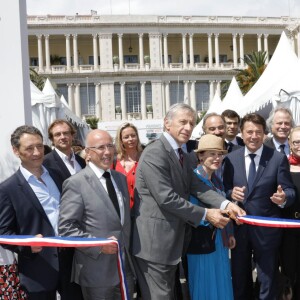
(37, 249)
(234, 211)
(217, 217)
(238, 193)
(110, 248)
(278, 197)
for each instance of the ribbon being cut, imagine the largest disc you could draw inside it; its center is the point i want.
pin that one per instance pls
(30, 240)
(269, 222)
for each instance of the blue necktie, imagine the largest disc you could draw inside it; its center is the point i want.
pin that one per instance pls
(252, 171)
(282, 146)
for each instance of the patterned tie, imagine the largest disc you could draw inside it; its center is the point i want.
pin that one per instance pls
(180, 153)
(111, 191)
(252, 171)
(282, 146)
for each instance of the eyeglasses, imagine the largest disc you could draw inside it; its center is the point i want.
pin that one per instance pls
(296, 143)
(102, 148)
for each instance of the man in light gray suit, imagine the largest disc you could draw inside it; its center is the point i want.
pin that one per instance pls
(164, 181)
(95, 203)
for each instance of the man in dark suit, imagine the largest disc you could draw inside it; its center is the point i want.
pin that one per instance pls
(95, 203)
(280, 123)
(29, 202)
(258, 178)
(164, 181)
(62, 162)
(232, 121)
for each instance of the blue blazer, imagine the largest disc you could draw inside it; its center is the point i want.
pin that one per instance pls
(22, 214)
(273, 170)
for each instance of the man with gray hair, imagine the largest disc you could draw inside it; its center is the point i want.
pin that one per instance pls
(164, 182)
(280, 123)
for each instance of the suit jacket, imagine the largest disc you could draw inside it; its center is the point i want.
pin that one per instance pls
(53, 162)
(273, 170)
(269, 142)
(22, 214)
(164, 187)
(87, 211)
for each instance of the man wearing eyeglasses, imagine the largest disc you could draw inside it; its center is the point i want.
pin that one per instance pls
(95, 203)
(63, 162)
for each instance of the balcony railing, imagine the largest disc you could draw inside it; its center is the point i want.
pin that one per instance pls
(131, 66)
(175, 66)
(58, 69)
(86, 68)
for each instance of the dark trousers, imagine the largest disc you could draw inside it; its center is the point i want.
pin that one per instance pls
(49, 295)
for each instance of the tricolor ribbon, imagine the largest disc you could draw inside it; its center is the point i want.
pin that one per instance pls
(30, 240)
(269, 222)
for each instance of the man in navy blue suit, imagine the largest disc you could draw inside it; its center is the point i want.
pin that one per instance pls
(269, 191)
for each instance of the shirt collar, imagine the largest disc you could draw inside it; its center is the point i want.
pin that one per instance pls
(171, 140)
(234, 141)
(64, 156)
(27, 175)
(99, 172)
(277, 144)
(258, 152)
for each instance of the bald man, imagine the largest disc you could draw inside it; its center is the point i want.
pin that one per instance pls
(95, 203)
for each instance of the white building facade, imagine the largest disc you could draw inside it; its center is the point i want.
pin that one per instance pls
(135, 67)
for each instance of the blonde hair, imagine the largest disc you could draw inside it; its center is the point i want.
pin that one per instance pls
(297, 128)
(121, 151)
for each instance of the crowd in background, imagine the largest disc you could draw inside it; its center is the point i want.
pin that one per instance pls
(172, 203)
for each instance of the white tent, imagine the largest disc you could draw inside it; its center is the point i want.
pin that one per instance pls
(282, 72)
(47, 107)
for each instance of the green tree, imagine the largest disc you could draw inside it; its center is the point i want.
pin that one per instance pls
(37, 79)
(93, 122)
(256, 64)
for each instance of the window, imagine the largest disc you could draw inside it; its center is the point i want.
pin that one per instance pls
(202, 95)
(169, 58)
(91, 60)
(223, 58)
(130, 59)
(34, 62)
(87, 99)
(133, 97)
(196, 58)
(176, 92)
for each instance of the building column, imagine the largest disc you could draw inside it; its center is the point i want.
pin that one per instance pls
(123, 101)
(184, 55)
(235, 60)
(218, 90)
(120, 44)
(167, 95)
(143, 100)
(166, 56)
(193, 95)
(75, 53)
(47, 53)
(266, 47)
(210, 54)
(211, 91)
(141, 50)
(40, 53)
(71, 97)
(217, 50)
(186, 95)
(68, 53)
(298, 43)
(160, 51)
(77, 100)
(259, 42)
(293, 41)
(98, 107)
(242, 63)
(95, 52)
(191, 44)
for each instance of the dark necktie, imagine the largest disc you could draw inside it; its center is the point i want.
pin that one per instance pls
(252, 171)
(229, 147)
(282, 146)
(111, 191)
(180, 153)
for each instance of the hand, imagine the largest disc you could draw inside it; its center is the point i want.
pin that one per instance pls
(37, 249)
(110, 248)
(238, 193)
(278, 197)
(231, 242)
(234, 211)
(217, 217)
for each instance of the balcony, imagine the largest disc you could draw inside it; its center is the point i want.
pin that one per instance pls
(176, 66)
(58, 69)
(86, 68)
(131, 66)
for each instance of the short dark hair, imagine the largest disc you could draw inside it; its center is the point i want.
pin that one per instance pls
(57, 122)
(231, 114)
(16, 135)
(254, 118)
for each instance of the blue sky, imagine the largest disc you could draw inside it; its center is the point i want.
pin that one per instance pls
(272, 8)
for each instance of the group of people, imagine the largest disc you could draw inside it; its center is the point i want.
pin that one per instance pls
(175, 200)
